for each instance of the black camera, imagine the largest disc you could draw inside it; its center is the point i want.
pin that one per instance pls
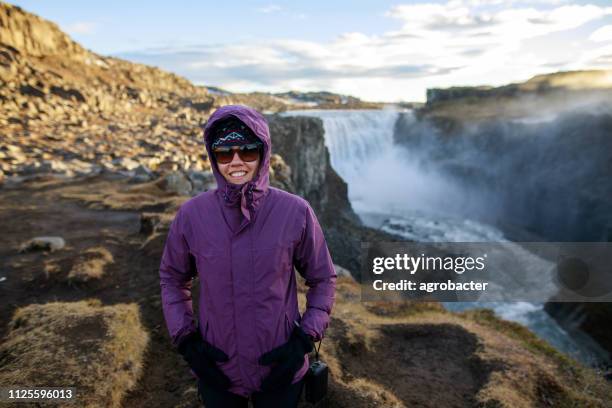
(316, 382)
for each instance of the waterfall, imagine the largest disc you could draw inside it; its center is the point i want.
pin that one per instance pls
(357, 138)
(403, 190)
(385, 178)
(359, 143)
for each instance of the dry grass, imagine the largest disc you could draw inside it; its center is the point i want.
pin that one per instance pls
(90, 264)
(51, 268)
(122, 201)
(535, 371)
(97, 349)
(418, 354)
(115, 195)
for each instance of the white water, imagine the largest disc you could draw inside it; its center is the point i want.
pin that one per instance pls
(396, 191)
(386, 178)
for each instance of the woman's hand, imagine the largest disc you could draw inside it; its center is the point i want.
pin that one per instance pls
(288, 358)
(202, 358)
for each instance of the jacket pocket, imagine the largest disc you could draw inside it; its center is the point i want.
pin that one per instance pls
(205, 333)
(289, 324)
(205, 327)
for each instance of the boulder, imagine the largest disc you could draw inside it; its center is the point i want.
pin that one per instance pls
(201, 181)
(142, 174)
(43, 243)
(175, 182)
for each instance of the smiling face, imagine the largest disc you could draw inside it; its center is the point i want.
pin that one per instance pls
(238, 171)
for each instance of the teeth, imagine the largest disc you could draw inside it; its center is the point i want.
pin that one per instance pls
(238, 173)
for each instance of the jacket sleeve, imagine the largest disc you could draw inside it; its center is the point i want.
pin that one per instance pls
(313, 261)
(176, 270)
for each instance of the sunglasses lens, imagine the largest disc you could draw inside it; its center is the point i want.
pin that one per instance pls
(249, 154)
(224, 156)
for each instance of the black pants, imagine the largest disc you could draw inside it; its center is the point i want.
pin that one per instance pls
(284, 398)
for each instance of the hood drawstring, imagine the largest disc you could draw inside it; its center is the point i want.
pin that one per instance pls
(232, 194)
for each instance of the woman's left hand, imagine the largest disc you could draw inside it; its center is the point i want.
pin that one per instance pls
(288, 358)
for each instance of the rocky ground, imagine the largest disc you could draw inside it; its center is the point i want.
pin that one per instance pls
(431, 357)
(70, 111)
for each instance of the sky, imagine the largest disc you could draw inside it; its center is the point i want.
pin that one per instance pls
(375, 50)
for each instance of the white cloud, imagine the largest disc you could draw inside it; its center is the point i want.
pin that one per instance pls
(82, 27)
(602, 34)
(461, 42)
(600, 57)
(455, 21)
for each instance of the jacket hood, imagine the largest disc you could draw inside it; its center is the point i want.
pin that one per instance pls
(248, 195)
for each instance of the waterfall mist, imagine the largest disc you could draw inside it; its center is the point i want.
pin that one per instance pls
(549, 176)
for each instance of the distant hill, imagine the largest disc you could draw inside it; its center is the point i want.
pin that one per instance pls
(540, 95)
(307, 100)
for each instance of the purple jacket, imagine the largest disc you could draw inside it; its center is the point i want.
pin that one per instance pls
(248, 295)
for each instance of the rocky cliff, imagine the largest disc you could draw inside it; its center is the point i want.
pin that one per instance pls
(34, 36)
(540, 96)
(592, 318)
(563, 166)
(539, 84)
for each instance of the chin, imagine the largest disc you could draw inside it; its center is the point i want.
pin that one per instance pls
(238, 182)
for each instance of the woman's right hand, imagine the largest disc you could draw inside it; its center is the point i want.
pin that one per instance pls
(202, 358)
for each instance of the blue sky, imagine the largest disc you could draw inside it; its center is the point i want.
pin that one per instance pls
(376, 50)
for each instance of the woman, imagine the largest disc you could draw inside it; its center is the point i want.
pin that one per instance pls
(243, 240)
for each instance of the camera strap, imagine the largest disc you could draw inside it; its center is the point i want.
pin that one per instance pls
(316, 382)
(317, 350)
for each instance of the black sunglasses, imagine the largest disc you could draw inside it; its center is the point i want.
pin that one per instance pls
(248, 153)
